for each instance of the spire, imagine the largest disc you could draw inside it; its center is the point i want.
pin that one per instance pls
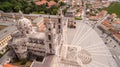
(21, 13)
(60, 12)
(13, 16)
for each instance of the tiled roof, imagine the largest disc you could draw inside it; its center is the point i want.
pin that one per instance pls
(41, 2)
(50, 3)
(107, 24)
(102, 13)
(117, 35)
(9, 65)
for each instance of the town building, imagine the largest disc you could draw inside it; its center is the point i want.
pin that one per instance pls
(9, 65)
(5, 36)
(52, 38)
(28, 41)
(111, 26)
(49, 3)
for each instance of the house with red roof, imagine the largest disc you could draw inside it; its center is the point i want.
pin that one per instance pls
(9, 65)
(50, 3)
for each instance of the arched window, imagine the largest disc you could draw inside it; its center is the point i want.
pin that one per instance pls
(59, 20)
(49, 29)
(54, 25)
(27, 32)
(49, 37)
(50, 46)
(59, 26)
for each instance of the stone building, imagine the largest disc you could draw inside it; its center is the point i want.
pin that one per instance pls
(29, 42)
(5, 36)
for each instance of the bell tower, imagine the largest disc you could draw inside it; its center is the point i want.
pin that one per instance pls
(50, 45)
(59, 27)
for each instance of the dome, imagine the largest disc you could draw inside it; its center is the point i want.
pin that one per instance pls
(24, 26)
(23, 22)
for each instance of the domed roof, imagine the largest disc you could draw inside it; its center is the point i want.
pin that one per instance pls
(24, 21)
(24, 25)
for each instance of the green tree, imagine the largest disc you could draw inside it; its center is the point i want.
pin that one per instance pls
(62, 4)
(56, 1)
(42, 12)
(6, 6)
(54, 12)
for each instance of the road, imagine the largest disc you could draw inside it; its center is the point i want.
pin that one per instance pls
(7, 24)
(5, 58)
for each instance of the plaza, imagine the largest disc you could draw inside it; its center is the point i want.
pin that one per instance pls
(61, 41)
(85, 39)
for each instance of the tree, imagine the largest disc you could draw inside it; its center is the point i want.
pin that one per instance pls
(54, 12)
(17, 7)
(42, 12)
(62, 4)
(56, 1)
(27, 10)
(6, 6)
(64, 11)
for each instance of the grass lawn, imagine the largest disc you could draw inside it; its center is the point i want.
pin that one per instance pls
(114, 8)
(2, 27)
(78, 18)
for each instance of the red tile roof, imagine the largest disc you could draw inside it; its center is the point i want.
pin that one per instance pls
(50, 3)
(117, 35)
(9, 65)
(41, 2)
(101, 14)
(107, 24)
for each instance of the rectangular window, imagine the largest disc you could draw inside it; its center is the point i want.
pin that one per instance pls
(49, 37)
(59, 26)
(50, 46)
(59, 20)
